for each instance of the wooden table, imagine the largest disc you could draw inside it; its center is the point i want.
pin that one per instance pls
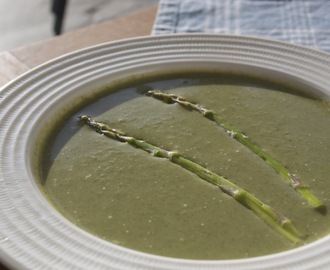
(17, 61)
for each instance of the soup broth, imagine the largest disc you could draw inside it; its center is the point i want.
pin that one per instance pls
(133, 199)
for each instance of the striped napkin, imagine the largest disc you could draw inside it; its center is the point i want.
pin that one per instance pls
(303, 22)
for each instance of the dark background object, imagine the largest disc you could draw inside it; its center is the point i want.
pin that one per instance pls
(58, 8)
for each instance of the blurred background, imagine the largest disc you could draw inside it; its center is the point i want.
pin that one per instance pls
(26, 21)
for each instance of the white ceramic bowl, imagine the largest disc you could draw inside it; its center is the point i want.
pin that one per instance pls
(33, 235)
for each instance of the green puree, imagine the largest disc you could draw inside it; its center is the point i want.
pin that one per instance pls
(130, 198)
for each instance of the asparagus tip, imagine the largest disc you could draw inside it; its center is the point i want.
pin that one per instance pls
(150, 92)
(83, 117)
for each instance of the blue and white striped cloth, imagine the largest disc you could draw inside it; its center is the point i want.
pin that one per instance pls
(303, 22)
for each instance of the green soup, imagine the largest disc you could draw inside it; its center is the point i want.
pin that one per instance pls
(130, 198)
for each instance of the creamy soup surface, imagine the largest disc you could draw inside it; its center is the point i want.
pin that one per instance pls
(130, 198)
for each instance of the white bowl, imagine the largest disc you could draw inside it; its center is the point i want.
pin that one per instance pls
(33, 234)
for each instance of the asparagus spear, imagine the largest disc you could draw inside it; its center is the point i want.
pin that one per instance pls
(235, 133)
(274, 219)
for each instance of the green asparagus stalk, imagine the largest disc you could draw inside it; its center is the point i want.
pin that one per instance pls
(235, 133)
(273, 218)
